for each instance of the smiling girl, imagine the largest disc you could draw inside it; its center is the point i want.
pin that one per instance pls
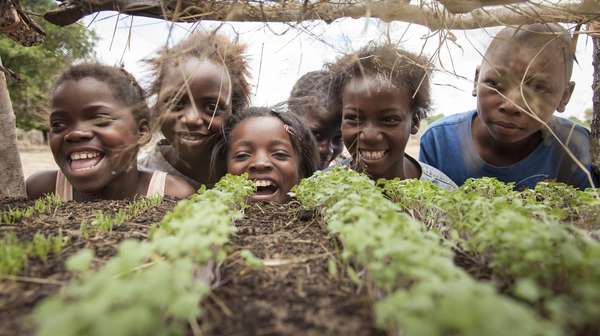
(98, 120)
(275, 149)
(198, 83)
(384, 94)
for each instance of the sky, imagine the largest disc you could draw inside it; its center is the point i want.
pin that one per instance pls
(280, 53)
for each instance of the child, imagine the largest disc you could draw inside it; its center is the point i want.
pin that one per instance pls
(523, 79)
(98, 120)
(310, 100)
(384, 93)
(275, 149)
(199, 83)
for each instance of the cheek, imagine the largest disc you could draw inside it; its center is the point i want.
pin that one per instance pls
(235, 168)
(216, 124)
(348, 135)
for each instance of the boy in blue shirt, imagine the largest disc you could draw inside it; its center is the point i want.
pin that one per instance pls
(512, 136)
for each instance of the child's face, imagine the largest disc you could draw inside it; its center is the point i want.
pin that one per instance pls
(194, 113)
(376, 125)
(93, 135)
(501, 103)
(261, 147)
(325, 126)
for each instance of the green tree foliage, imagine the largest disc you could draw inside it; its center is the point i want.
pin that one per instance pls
(36, 67)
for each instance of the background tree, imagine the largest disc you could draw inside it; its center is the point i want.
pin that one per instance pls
(35, 67)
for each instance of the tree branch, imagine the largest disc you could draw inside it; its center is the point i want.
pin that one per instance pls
(433, 15)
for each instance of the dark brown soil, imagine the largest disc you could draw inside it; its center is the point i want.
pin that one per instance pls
(18, 295)
(294, 292)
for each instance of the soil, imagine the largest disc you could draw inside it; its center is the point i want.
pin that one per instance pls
(18, 295)
(294, 292)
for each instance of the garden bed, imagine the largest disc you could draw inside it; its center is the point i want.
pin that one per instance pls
(294, 292)
(39, 279)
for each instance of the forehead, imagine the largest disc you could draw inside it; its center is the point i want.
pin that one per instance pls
(321, 117)
(201, 75)
(260, 131)
(372, 93)
(83, 92)
(517, 58)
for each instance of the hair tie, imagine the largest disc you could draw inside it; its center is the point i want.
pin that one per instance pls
(288, 129)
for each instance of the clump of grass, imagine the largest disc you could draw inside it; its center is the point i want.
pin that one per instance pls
(105, 221)
(44, 205)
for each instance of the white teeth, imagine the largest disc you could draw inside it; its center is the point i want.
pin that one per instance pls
(190, 137)
(84, 155)
(372, 155)
(263, 183)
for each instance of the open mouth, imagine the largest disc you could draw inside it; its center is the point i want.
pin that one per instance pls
(265, 189)
(371, 155)
(191, 137)
(84, 161)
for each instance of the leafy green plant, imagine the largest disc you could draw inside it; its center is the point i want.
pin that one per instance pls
(13, 255)
(149, 287)
(412, 267)
(251, 260)
(41, 245)
(519, 237)
(105, 221)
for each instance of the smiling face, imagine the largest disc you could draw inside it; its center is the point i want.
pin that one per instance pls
(193, 114)
(325, 127)
(261, 147)
(376, 124)
(93, 136)
(502, 105)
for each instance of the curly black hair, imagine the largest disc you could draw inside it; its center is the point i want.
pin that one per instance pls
(403, 68)
(302, 139)
(123, 85)
(312, 92)
(217, 48)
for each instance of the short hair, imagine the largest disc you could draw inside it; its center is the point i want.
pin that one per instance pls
(302, 139)
(311, 92)
(122, 84)
(539, 35)
(402, 68)
(216, 48)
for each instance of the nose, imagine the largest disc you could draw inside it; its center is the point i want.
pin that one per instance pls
(513, 103)
(191, 117)
(261, 162)
(369, 134)
(79, 134)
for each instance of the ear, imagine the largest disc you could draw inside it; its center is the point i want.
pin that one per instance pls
(144, 133)
(474, 92)
(566, 97)
(415, 123)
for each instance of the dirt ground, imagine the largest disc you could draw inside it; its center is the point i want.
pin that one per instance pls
(39, 279)
(296, 291)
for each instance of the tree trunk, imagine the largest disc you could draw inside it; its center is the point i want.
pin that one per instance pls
(596, 105)
(11, 173)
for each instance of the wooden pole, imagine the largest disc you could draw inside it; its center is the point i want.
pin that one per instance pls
(11, 173)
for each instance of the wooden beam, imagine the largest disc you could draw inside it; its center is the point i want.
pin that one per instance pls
(433, 16)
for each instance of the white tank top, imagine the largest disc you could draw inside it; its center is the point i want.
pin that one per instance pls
(156, 187)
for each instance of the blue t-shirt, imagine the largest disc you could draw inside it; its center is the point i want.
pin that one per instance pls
(448, 146)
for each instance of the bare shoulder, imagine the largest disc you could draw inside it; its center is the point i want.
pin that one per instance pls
(177, 187)
(40, 184)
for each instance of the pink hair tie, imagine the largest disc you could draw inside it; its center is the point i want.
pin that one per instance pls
(288, 129)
